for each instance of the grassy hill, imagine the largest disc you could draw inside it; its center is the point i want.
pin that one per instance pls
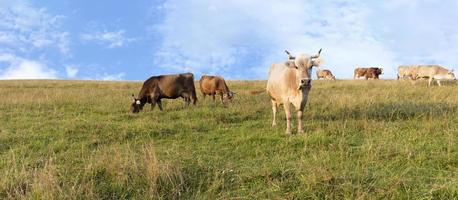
(364, 139)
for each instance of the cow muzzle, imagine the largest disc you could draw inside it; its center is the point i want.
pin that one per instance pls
(305, 82)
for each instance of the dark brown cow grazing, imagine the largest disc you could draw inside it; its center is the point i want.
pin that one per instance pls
(165, 86)
(212, 85)
(372, 72)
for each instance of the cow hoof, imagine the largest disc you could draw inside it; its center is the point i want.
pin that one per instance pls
(274, 125)
(288, 132)
(300, 132)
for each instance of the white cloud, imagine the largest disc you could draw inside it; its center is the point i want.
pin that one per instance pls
(112, 39)
(110, 77)
(20, 68)
(242, 38)
(106, 76)
(24, 28)
(71, 71)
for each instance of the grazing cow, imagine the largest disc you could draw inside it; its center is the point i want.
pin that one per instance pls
(326, 74)
(368, 73)
(290, 83)
(433, 72)
(165, 86)
(212, 85)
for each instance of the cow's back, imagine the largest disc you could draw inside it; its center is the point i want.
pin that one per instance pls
(172, 86)
(321, 73)
(327, 73)
(207, 84)
(424, 71)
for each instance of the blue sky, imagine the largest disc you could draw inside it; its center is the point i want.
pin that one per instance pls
(238, 39)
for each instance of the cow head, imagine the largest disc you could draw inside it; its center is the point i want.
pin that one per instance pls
(304, 64)
(451, 74)
(230, 96)
(136, 105)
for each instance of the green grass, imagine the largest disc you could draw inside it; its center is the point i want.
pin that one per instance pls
(363, 139)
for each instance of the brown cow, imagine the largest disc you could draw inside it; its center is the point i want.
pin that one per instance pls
(212, 85)
(165, 86)
(290, 83)
(368, 73)
(373, 73)
(326, 74)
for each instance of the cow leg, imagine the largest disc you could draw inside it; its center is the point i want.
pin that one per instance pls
(274, 112)
(288, 117)
(438, 82)
(213, 96)
(159, 104)
(299, 122)
(429, 82)
(222, 98)
(186, 98)
(194, 97)
(153, 100)
(187, 101)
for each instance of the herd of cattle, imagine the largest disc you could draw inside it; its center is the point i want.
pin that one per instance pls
(288, 83)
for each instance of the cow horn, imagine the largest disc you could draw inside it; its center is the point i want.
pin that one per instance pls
(289, 55)
(318, 55)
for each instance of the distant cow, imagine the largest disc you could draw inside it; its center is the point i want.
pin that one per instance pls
(433, 72)
(373, 73)
(165, 86)
(290, 83)
(368, 73)
(212, 85)
(326, 74)
(406, 71)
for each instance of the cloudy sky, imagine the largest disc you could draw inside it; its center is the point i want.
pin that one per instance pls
(238, 39)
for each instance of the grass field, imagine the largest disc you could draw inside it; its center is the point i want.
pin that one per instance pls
(364, 139)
